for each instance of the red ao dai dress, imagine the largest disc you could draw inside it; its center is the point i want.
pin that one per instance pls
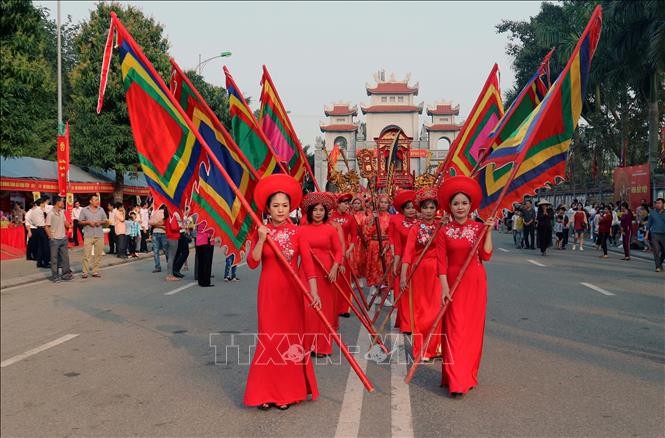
(425, 286)
(349, 228)
(398, 232)
(281, 371)
(464, 320)
(323, 239)
(359, 253)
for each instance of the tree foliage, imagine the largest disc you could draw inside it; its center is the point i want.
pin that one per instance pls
(105, 140)
(621, 108)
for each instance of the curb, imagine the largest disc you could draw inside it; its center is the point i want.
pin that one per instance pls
(20, 281)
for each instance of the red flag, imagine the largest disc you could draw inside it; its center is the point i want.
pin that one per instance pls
(62, 159)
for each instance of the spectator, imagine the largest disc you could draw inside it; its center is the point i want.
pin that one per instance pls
(558, 227)
(615, 231)
(37, 219)
(182, 245)
(656, 232)
(31, 250)
(626, 229)
(604, 228)
(544, 224)
(144, 215)
(120, 231)
(159, 241)
(529, 216)
(580, 224)
(204, 252)
(133, 233)
(518, 227)
(230, 270)
(172, 236)
(76, 212)
(92, 218)
(110, 210)
(56, 229)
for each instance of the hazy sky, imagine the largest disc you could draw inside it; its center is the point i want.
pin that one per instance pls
(321, 52)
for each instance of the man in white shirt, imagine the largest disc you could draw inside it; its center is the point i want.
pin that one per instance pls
(144, 214)
(37, 220)
(76, 212)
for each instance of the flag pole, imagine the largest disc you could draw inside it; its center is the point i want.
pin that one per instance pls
(352, 361)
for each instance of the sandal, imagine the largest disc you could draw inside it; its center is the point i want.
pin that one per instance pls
(283, 407)
(264, 406)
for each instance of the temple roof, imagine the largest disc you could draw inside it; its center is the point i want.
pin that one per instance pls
(391, 85)
(340, 127)
(392, 109)
(341, 109)
(441, 127)
(443, 109)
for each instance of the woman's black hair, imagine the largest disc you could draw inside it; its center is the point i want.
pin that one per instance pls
(426, 202)
(273, 195)
(166, 211)
(467, 197)
(310, 213)
(405, 205)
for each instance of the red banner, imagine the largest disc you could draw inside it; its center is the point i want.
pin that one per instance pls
(632, 184)
(62, 159)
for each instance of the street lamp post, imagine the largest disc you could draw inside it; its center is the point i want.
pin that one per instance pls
(201, 64)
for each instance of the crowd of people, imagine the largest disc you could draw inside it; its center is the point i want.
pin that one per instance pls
(592, 224)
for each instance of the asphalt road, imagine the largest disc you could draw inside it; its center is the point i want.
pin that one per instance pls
(560, 358)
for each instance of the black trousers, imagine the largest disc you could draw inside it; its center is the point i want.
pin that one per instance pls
(42, 247)
(31, 247)
(144, 243)
(529, 236)
(204, 265)
(602, 241)
(181, 254)
(112, 239)
(121, 249)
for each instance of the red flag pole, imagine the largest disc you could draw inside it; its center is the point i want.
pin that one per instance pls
(352, 361)
(366, 324)
(303, 156)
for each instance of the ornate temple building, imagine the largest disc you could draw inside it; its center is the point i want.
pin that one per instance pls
(392, 109)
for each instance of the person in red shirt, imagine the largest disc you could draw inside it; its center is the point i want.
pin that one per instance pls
(464, 320)
(357, 260)
(604, 228)
(580, 224)
(347, 222)
(281, 372)
(323, 240)
(375, 260)
(425, 299)
(398, 231)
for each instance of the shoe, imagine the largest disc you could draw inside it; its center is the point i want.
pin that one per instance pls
(602, 256)
(283, 407)
(264, 406)
(227, 278)
(658, 269)
(178, 274)
(67, 277)
(84, 275)
(235, 279)
(456, 394)
(156, 270)
(55, 280)
(96, 275)
(574, 247)
(581, 249)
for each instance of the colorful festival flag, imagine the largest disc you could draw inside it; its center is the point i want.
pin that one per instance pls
(173, 154)
(333, 156)
(212, 197)
(275, 123)
(62, 157)
(525, 102)
(467, 147)
(539, 147)
(247, 132)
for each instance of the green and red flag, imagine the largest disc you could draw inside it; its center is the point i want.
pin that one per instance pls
(275, 123)
(466, 150)
(538, 149)
(247, 132)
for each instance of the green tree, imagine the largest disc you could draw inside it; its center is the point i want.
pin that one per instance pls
(27, 81)
(105, 140)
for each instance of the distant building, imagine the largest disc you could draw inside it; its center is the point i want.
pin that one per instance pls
(392, 106)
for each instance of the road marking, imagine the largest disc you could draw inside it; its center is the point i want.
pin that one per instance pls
(12, 360)
(503, 250)
(352, 404)
(533, 262)
(401, 423)
(597, 289)
(181, 288)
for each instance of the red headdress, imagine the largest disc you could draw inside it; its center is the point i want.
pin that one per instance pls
(402, 197)
(425, 194)
(277, 183)
(459, 184)
(315, 198)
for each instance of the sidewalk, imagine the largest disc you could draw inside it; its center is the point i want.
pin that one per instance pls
(21, 271)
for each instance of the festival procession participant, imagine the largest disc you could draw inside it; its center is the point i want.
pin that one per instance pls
(464, 320)
(425, 286)
(281, 372)
(347, 222)
(375, 260)
(359, 253)
(398, 231)
(323, 240)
